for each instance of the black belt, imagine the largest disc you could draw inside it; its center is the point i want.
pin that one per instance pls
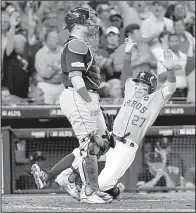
(123, 139)
(89, 90)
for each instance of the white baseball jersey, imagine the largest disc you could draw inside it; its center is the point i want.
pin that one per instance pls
(138, 114)
(135, 116)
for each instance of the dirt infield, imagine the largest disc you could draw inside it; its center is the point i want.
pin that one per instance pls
(130, 202)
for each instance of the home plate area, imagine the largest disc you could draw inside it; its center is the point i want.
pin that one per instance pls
(130, 202)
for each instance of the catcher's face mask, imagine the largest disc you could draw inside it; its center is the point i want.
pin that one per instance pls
(92, 23)
(141, 89)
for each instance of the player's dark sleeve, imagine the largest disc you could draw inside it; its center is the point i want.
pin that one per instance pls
(75, 56)
(127, 71)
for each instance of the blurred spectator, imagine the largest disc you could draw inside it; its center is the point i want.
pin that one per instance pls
(26, 180)
(142, 7)
(142, 57)
(174, 164)
(104, 90)
(191, 87)
(129, 13)
(186, 39)
(35, 94)
(179, 11)
(5, 26)
(189, 179)
(112, 37)
(112, 91)
(157, 22)
(103, 58)
(180, 68)
(50, 21)
(155, 174)
(16, 15)
(48, 68)
(116, 20)
(17, 68)
(114, 88)
(170, 10)
(94, 4)
(8, 99)
(190, 71)
(182, 11)
(104, 12)
(190, 17)
(46, 7)
(158, 53)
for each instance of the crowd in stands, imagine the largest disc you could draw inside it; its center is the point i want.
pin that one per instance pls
(33, 38)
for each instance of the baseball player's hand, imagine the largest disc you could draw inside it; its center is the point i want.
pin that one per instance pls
(129, 45)
(93, 108)
(168, 61)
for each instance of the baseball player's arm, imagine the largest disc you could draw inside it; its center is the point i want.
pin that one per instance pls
(142, 183)
(79, 86)
(170, 86)
(168, 63)
(127, 60)
(169, 182)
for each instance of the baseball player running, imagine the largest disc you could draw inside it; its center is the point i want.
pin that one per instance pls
(142, 104)
(80, 102)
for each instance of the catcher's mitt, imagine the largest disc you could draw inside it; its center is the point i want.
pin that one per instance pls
(109, 120)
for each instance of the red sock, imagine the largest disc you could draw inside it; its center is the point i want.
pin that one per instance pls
(63, 164)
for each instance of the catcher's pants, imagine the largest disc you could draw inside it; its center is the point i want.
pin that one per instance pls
(118, 160)
(76, 111)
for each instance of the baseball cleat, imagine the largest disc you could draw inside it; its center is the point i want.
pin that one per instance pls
(39, 175)
(121, 188)
(93, 198)
(72, 190)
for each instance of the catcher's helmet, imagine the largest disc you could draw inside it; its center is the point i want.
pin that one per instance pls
(81, 16)
(147, 78)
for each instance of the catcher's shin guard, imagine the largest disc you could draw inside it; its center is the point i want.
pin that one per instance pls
(88, 163)
(88, 168)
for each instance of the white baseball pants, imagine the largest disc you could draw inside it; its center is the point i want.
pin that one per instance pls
(118, 160)
(76, 111)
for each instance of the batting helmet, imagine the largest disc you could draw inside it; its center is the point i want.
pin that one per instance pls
(147, 78)
(81, 16)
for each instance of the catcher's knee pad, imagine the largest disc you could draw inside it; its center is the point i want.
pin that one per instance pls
(93, 148)
(90, 145)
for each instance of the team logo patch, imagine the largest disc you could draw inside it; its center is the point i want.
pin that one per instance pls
(77, 64)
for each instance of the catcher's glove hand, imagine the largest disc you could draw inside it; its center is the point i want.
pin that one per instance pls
(109, 120)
